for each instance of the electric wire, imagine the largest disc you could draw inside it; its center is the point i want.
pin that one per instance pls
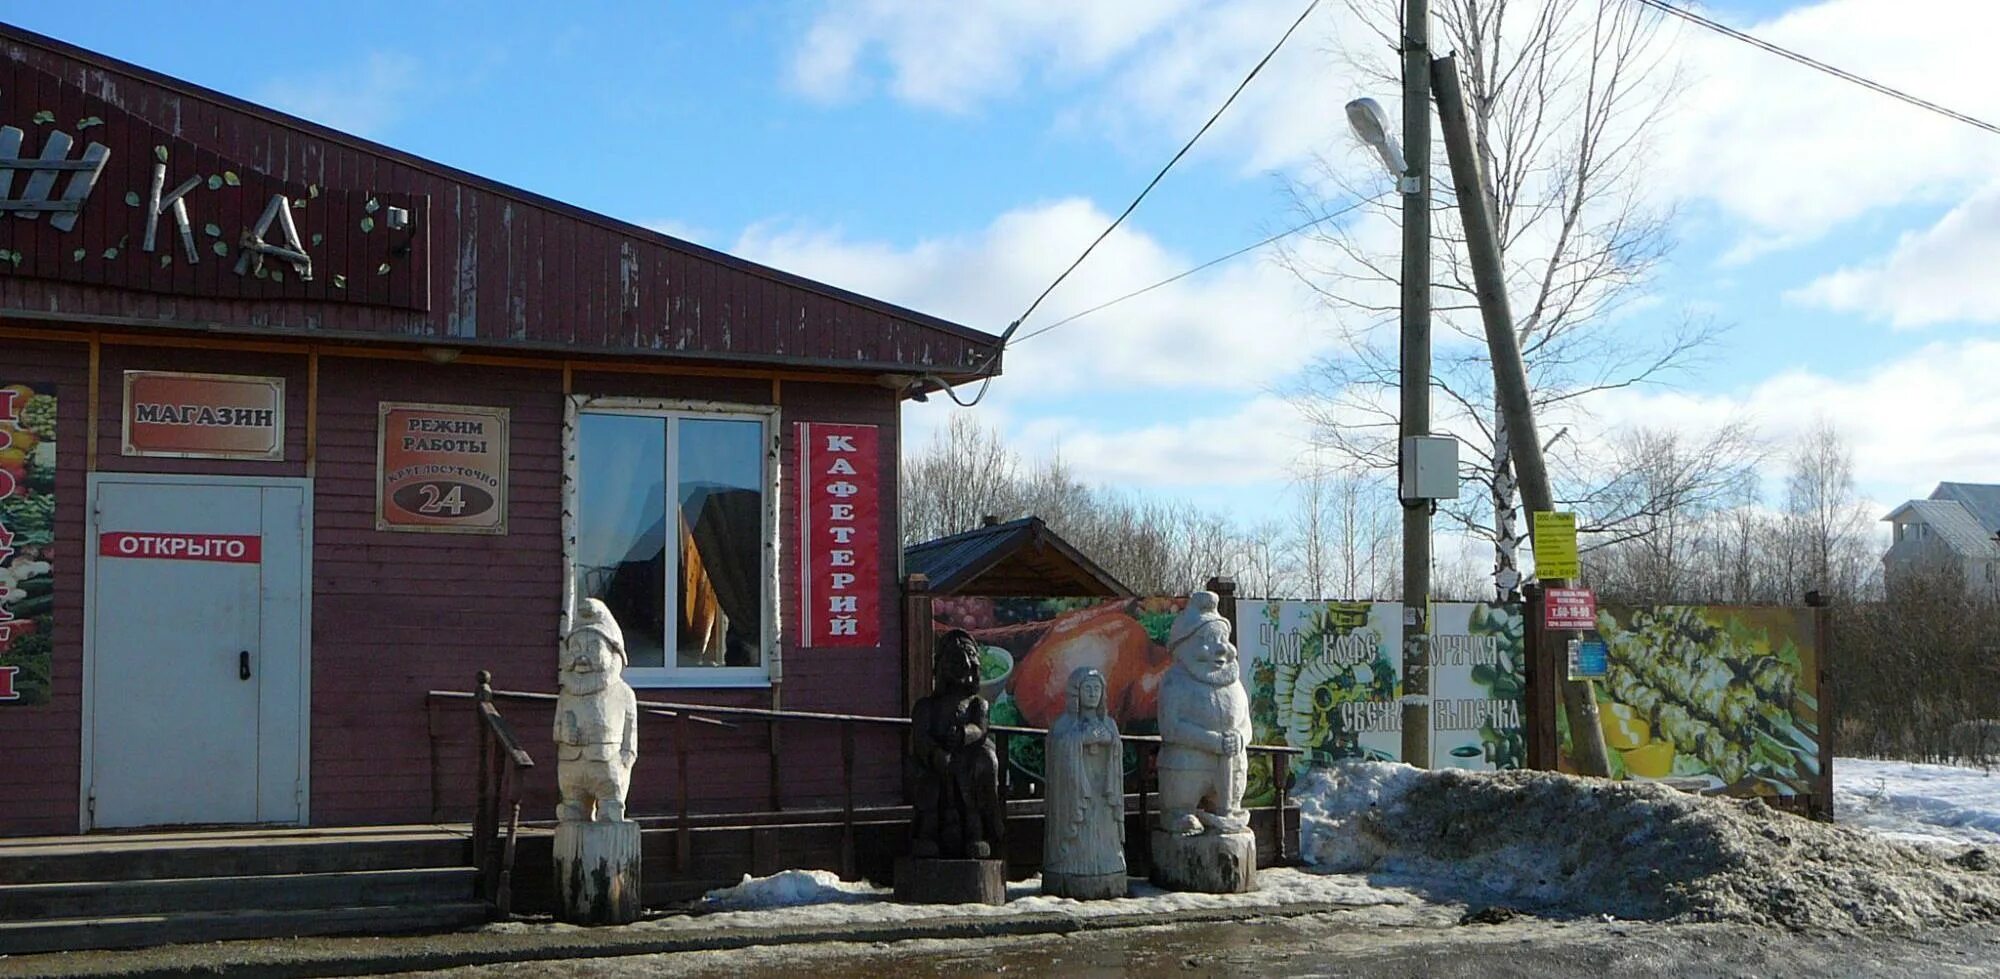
(1129, 208)
(1211, 263)
(1810, 62)
(1009, 334)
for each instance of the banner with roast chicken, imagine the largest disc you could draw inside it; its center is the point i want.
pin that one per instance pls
(1029, 646)
(1323, 676)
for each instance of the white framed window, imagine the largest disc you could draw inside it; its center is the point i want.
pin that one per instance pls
(670, 518)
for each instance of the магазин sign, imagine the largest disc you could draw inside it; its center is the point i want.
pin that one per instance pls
(204, 416)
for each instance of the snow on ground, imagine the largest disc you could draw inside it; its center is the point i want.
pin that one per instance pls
(1379, 835)
(1561, 845)
(1925, 804)
(817, 897)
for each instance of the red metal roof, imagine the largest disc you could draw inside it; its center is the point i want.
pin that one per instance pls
(479, 263)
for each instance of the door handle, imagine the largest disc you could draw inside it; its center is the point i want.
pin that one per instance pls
(243, 665)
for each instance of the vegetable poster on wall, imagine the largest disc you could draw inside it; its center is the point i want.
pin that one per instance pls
(1322, 676)
(1709, 698)
(27, 539)
(1327, 677)
(1029, 646)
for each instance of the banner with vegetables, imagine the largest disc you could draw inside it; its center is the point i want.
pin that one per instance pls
(27, 540)
(1323, 676)
(1327, 677)
(1479, 679)
(1029, 646)
(1710, 698)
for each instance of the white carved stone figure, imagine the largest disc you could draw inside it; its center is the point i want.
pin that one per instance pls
(597, 720)
(1204, 726)
(1083, 837)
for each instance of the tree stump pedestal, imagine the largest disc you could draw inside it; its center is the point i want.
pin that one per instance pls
(597, 872)
(928, 880)
(1086, 887)
(1207, 863)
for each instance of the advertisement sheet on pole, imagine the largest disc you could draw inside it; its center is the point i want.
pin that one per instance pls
(27, 541)
(1555, 545)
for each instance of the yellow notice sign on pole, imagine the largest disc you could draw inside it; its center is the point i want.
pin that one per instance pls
(1555, 545)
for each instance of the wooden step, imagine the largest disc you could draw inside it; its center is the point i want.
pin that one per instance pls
(25, 937)
(160, 858)
(275, 892)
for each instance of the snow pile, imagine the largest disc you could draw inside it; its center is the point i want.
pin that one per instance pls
(1930, 804)
(816, 897)
(1564, 845)
(789, 888)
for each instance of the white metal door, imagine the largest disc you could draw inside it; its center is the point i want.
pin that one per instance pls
(197, 652)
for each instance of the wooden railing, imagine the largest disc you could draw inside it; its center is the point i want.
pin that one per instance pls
(502, 764)
(684, 716)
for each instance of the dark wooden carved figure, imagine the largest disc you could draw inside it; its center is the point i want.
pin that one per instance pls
(954, 768)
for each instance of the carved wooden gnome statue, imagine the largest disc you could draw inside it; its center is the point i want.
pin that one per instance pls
(597, 740)
(1203, 841)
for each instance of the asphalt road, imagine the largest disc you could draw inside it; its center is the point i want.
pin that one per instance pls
(1337, 944)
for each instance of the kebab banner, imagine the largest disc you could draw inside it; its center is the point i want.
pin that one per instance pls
(1709, 698)
(1029, 646)
(27, 540)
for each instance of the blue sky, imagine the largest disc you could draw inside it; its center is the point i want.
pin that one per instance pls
(953, 156)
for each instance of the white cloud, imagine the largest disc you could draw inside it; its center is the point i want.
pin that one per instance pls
(951, 56)
(1242, 326)
(1946, 273)
(1795, 152)
(1254, 443)
(1161, 67)
(1924, 417)
(364, 98)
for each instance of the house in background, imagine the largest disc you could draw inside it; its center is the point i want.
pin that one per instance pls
(1958, 526)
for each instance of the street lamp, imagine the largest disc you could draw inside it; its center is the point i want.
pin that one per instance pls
(1371, 126)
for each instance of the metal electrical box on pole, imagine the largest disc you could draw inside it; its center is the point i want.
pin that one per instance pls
(1429, 467)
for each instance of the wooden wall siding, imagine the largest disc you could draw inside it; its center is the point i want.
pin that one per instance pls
(504, 267)
(41, 746)
(396, 615)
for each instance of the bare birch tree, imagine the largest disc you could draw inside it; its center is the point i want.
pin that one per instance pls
(1826, 517)
(965, 474)
(1564, 97)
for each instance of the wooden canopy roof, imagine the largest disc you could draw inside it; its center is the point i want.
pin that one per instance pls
(1021, 558)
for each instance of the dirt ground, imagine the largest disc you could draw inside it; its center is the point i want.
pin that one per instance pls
(1428, 941)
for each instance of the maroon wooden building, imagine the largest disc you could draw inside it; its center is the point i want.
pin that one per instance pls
(295, 427)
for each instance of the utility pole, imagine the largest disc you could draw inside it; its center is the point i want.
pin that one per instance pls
(1416, 376)
(1510, 377)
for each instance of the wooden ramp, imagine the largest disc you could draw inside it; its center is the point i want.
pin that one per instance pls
(130, 890)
